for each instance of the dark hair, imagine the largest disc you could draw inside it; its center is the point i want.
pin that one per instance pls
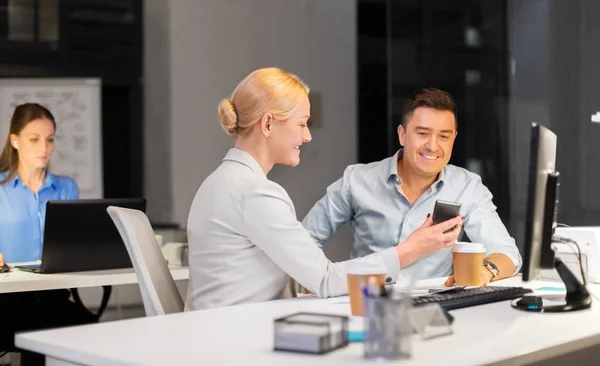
(429, 98)
(23, 114)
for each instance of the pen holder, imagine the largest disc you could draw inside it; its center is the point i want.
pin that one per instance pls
(388, 329)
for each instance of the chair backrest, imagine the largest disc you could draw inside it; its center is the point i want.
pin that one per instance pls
(159, 293)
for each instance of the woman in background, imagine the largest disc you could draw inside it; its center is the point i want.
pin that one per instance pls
(244, 238)
(26, 185)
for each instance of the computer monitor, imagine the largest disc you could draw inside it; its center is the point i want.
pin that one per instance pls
(542, 203)
(542, 209)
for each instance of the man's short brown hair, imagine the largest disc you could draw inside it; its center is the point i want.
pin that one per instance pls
(429, 98)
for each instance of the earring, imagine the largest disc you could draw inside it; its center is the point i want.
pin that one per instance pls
(15, 144)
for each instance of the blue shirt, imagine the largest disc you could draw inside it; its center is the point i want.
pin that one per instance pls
(369, 196)
(23, 214)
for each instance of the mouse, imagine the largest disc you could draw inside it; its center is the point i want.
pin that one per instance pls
(4, 268)
(531, 302)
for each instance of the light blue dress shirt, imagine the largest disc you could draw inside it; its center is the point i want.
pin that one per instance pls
(369, 196)
(23, 215)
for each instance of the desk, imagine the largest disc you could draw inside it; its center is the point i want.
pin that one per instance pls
(22, 281)
(493, 334)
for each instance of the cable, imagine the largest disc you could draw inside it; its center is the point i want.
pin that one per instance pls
(594, 295)
(562, 225)
(560, 239)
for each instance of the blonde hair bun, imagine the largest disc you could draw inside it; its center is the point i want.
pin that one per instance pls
(267, 90)
(228, 116)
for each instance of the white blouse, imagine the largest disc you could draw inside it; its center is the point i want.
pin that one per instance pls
(245, 240)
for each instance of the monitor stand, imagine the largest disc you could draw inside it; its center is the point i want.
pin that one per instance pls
(577, 298)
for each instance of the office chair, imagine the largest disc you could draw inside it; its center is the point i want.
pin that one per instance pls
(159, 293)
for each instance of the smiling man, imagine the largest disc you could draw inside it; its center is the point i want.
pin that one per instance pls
(389, 202)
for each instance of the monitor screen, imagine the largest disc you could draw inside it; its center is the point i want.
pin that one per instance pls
(542, 203)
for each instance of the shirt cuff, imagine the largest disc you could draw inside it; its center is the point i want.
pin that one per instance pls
(390, 258)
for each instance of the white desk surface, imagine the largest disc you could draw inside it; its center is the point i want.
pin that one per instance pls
(483, 335)
(21, 281)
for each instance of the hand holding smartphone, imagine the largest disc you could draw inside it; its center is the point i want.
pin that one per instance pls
(427, 239)
(445, 210)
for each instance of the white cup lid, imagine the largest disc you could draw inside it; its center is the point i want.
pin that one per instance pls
(371, 264)
(464, 247)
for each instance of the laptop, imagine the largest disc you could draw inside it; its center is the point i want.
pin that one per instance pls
(79, 235)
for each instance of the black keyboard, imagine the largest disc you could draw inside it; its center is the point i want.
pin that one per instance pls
(462, 298)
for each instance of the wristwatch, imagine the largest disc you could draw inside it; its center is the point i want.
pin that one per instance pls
(492, 268)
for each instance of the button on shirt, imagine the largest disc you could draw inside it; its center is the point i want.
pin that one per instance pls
(23, 215)
(369, 196)
(245, 241)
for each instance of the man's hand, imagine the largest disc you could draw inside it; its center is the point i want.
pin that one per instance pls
(502, 261)
(428, 239)
(486, 277)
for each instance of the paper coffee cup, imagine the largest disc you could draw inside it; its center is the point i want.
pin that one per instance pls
(359, 271)
(468, 263)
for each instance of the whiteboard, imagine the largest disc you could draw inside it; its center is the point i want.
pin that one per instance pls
(75, 105)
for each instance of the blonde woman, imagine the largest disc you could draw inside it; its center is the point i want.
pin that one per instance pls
(244, 238)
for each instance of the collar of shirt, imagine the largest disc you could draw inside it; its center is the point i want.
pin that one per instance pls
(49, 181)
(392, 171)
(242, 157)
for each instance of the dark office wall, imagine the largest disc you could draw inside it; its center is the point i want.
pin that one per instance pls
(529, 27)
(589, 133)
(458, 46)
(538, 62)
(555, 51)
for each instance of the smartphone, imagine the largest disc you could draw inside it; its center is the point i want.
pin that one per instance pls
(445, 210)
